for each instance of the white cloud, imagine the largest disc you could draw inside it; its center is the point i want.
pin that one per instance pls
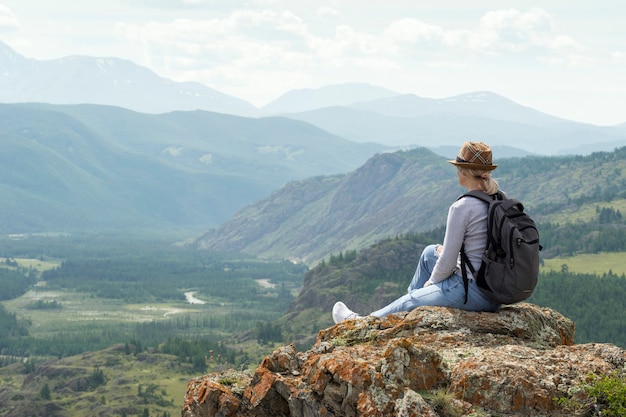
(347, 43)
(206, 159)
(548, 57)
(257, 39)
(516, 23)
(248, 38)
(414, 32)
(619, 56)
(326, 11)
(8, 21)
(173, 151)
(259, 52)
(531, 33)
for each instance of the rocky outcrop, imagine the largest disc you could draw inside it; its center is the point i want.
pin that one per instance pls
(513, 362)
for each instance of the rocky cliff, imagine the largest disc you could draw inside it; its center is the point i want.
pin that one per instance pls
(511, 363)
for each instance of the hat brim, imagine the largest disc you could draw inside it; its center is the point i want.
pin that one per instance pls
(480, 167)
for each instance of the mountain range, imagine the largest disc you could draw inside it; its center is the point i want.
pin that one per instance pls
(93, 143)
(407, 120)
(89, 167)
(108, 81)
(355, 111)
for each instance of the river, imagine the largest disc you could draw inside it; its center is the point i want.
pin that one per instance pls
(193, 300)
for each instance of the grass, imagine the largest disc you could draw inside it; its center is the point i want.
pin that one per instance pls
(606, 392)
(124, 374)
(586, 213)
(82, 313)
(29, 263)
(444, 403)
(80, 310)
(597, 264)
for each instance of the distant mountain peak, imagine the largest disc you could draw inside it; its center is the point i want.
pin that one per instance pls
(477, 97)
(305, 99)
(6, 50)
(472, 96)
(78, 79)
(8, 57)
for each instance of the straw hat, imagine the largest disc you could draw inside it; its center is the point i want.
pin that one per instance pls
(475, 155)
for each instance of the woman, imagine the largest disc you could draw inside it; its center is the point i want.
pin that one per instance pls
(438, 280)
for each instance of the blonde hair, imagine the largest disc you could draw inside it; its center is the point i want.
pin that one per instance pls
(484, 179)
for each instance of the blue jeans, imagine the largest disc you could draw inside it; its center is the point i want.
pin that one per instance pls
(447, 293)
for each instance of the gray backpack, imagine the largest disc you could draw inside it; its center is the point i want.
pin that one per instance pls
(510, 265)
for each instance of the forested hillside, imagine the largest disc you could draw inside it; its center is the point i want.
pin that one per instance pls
(88, 167)
(129, 318)
(410, 191)
(372, 277)
(578, 203)
(137, 288)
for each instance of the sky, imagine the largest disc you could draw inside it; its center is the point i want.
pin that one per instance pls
(566, 58)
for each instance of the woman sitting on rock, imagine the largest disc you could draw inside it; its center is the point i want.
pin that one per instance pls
(438, 280)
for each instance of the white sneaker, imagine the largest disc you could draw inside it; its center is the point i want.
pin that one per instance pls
(341, 313)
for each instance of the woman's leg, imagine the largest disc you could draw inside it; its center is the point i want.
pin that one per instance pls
(425, 266)
(447, 293)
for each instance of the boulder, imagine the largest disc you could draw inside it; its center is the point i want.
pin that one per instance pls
(511, 363)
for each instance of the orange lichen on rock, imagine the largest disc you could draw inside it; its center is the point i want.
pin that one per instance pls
(513, 362)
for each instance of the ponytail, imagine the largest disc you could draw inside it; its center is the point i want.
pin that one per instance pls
(491, 185)
(486, 182)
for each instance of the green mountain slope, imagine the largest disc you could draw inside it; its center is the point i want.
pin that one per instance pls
(397, 193)
(115, 382)
(90, 167)
(370, 278)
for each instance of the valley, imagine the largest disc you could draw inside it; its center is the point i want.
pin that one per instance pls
(55, 337)
(587, 263)
(115, 322)
(147, 344)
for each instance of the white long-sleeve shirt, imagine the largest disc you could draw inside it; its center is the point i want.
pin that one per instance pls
(467, 223)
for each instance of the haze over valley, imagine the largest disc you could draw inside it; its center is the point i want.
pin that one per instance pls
(169, 154)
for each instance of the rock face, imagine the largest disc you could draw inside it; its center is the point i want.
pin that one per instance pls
(513, 363)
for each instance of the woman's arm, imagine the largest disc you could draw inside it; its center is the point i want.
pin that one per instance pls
(452, 242)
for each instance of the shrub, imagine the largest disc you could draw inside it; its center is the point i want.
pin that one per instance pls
(610, 393)
(604, 392)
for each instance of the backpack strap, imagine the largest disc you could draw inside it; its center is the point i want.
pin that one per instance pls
(465, 263)
(481, 195)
